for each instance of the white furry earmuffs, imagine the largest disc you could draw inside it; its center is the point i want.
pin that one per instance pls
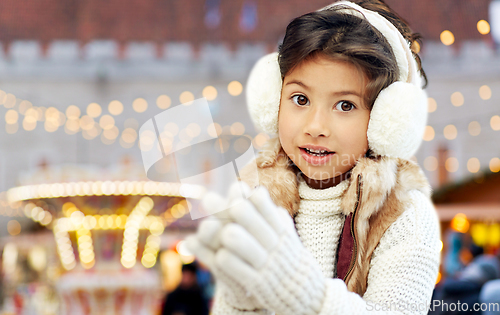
(399, 114)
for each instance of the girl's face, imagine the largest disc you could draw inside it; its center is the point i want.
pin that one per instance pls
(322, 108)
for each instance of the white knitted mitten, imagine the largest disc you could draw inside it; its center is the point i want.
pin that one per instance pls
(204, 245)
(263, 253)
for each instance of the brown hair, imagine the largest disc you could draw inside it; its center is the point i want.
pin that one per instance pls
(347, 37)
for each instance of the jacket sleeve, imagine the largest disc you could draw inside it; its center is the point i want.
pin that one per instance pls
(403, 268)
(222, 307)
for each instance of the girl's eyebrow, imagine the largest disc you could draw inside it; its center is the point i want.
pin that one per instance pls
(298, 83)
(339, 93)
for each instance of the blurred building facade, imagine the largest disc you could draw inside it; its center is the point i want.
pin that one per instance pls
(148, 53)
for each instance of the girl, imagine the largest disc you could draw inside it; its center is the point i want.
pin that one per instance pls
(344, 94)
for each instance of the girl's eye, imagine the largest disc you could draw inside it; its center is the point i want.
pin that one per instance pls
(344, 106)
(300, 100)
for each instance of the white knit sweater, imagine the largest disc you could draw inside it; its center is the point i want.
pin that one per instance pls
(403, 268)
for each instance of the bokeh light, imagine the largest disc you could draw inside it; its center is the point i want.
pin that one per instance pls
(11, 116)
(94, 110)
(235, 88)
(431, 105)
(431, 163)
(140, 105)
(457, 99)
(73, 112)
(429, 133)
(474, 128)
(460, 223)
(447, 38)
(450, 132)
(485, 92)
(115, 107)
(451, 164)
(495, 165)
(186, 98)
(163, 102)
(473, 165)
(495, 122)
(237, 129)
(483, 27)
(210, 93)
(13, 227)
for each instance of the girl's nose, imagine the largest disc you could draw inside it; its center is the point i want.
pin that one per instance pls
(317, 123)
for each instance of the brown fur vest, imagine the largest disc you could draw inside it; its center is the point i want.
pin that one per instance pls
(375, 198)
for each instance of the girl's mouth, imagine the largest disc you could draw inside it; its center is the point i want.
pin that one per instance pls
(316, 157)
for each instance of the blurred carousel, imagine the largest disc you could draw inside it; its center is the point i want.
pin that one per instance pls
(107, 226)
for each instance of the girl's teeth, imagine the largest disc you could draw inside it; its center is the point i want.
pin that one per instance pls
(316, 153)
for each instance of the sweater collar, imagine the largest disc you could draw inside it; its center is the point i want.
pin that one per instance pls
(308, 193)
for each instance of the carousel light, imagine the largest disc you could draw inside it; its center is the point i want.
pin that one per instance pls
(156, 228)
(69, 188)
(28, 208)
(46, 219)
(64, 247)
(111, 221)
(98, 188)
(9, 258)
(34, 213)
(122, 222)
(150, 253)
(77, 218)
(87, 188)
(148, 260)
(85, 248)
(40, 216)
(13, 227)
(92, 219)
(103, 222)
(131, 233)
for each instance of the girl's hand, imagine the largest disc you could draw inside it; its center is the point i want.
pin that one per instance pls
(263, 254)
(206, 243)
